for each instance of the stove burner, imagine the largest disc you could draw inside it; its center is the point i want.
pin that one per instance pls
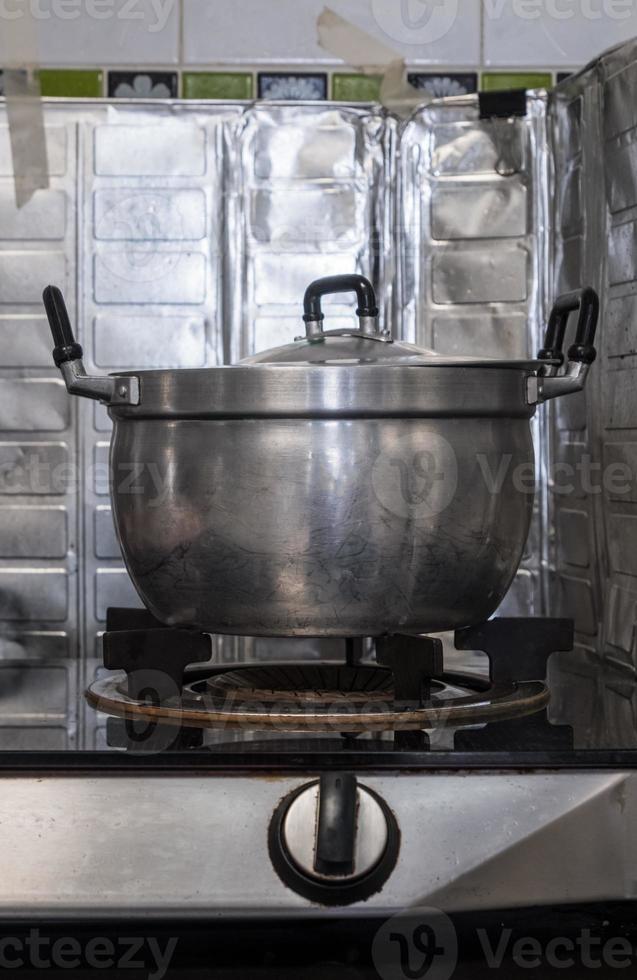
(407, 692)
(304, 684)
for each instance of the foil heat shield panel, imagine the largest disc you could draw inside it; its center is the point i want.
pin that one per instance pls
(311, 197)
(593, 458)
(473, 270)
(40, 469)
(151, 256)
(574, 426)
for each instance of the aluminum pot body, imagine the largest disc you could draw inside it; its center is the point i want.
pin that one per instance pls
(305, 527)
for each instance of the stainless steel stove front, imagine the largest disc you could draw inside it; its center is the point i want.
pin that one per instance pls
(193, 846)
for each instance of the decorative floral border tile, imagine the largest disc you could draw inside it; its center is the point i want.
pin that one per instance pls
(142, 84)
(439, 85)
(292, 86)
(217, 85)
(281, 85)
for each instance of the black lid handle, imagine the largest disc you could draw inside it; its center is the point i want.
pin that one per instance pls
(339, 284)
(367, 310)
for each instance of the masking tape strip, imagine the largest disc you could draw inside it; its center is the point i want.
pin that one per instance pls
(359, 49)
(24, 108)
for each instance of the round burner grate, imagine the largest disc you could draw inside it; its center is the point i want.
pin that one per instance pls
(322, 698)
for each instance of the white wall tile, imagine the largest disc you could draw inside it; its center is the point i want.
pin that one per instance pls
(123, 32)
(527, 33)
(284, 31)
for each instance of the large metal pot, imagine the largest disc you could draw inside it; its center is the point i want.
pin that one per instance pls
(345, 484)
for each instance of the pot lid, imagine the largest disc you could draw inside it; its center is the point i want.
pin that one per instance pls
(350, 347)
(344, 347)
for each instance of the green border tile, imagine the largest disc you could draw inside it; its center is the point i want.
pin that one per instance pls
(217, 85)
(72, 83)
(355, 88)
(501, 81)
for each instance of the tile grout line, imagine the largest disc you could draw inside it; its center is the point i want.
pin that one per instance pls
(180, 42)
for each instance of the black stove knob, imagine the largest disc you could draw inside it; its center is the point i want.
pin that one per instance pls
(334, 841)
(334, 855)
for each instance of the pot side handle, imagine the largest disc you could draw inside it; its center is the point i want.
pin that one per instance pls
(68, 354)
(581, 355)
